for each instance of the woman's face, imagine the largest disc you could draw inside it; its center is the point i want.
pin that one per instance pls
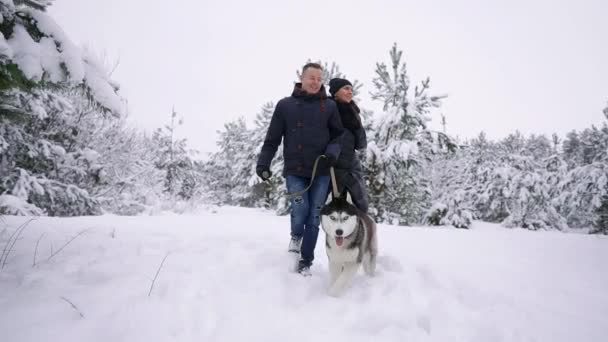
(345, 94)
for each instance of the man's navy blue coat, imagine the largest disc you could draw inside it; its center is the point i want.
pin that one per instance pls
(310, 126)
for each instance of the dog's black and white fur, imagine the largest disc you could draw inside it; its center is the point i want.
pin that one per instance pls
(350, 240)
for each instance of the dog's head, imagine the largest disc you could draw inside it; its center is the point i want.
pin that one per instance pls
(339, 219)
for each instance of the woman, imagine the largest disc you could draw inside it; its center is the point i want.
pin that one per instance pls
(349, 173)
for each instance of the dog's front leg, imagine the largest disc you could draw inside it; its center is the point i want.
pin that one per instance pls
(349, 270)
(334, 271)
(369, 264)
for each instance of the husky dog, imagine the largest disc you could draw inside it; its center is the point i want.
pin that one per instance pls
(350, 240)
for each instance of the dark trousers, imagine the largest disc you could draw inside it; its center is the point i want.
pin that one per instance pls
(353, 183)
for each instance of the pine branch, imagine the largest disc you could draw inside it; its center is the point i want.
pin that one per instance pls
(40, 5)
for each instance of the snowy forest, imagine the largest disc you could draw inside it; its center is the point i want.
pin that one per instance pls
(67, 149)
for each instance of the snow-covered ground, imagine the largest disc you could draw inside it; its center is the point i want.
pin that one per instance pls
(226, 279)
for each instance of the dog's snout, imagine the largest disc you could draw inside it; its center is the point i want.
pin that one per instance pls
(339, 232)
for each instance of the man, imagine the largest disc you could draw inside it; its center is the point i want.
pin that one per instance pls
(309, 125)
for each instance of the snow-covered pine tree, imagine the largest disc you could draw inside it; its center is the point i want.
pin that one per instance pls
(572, 149)
(600, 225)
(538, 147)
(174, 159)
(556, 142)
(452, 195)
(271, 193)
(231, 166)
(529, 194)
(494, 174)
(129, 181)
(42, 72)
(514, 183)
(582, 193)
(401, 147)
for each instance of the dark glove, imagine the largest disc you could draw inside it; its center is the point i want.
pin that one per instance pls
(263, 172)
(331, 160)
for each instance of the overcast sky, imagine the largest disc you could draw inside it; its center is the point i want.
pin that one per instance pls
(539, 66)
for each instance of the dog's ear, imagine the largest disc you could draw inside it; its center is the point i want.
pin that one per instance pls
(329, 198)
(346, 195)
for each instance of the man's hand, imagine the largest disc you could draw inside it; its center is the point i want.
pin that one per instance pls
(263, 172)
(331, 159)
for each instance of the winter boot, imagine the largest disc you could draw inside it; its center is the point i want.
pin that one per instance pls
(304, 268)
(294, 245)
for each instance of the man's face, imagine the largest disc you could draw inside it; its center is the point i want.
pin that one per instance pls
(311, 80)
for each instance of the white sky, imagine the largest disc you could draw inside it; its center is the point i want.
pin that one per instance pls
(539, 66)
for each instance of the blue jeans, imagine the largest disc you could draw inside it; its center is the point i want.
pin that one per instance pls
(306, 211)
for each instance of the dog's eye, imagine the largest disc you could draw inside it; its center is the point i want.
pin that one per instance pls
(333, 218)
(345, 217)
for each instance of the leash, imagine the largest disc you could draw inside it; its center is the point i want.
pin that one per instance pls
(334, 184)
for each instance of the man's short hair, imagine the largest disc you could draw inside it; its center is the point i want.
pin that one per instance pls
(312, 65)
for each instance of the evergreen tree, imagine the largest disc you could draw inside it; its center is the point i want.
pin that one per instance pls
(451, 200)
(512, 182)
(232, 165)
(572, 149)
(173, 158)
(129, 181)
(582, 191)
(601, 223)
(271, 193)
(41, 84)
(401, 146)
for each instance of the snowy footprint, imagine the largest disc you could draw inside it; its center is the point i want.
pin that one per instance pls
(292, 262)
(390, 264)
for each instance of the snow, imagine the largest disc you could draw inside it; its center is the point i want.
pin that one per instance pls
(81, 65)
(26, 53)
(17, 206)
(226, 278)
(71, 55)
(8, 3)
(5, 49)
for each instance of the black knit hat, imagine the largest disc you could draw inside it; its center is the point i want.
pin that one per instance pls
(336, 83)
